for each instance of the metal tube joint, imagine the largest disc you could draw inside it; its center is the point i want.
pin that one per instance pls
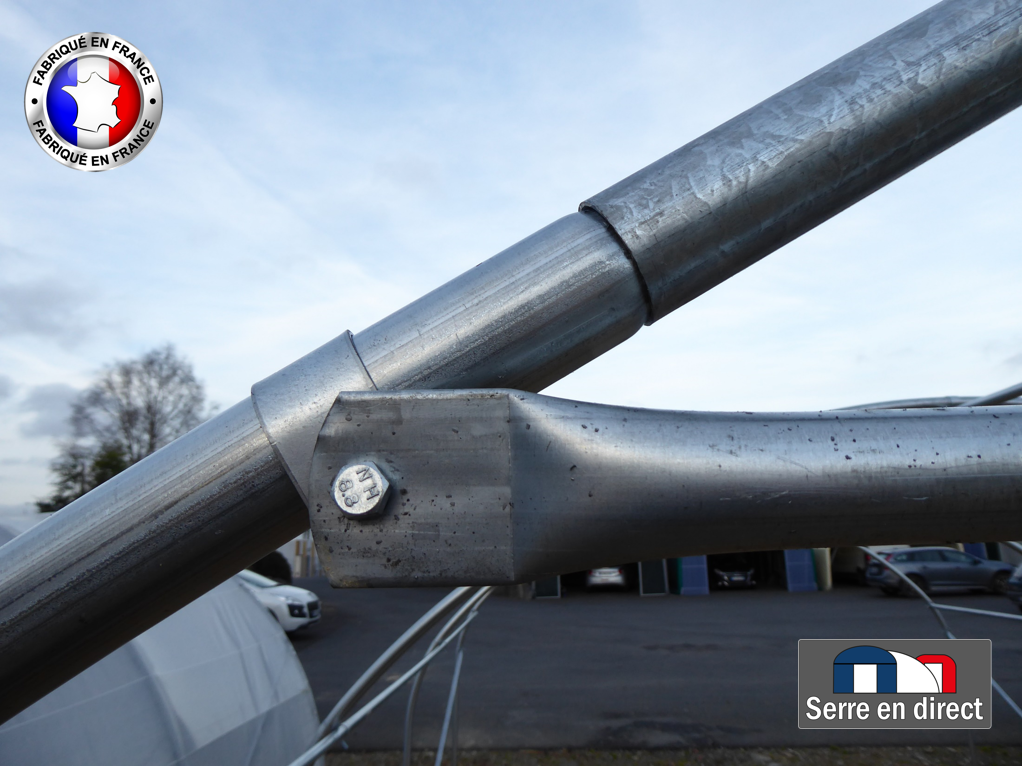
(494, 487)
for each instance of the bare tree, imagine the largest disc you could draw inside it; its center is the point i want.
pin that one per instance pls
(134, 408)
(141, 404)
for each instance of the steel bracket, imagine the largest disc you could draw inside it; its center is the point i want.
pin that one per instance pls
(499, 486)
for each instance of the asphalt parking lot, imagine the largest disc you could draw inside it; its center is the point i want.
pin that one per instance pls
(616, 671)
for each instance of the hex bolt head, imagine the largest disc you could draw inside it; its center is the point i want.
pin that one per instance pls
(361, 490)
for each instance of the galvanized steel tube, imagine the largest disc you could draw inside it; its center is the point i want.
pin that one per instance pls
(643, 484)
(138, 548)
(523, 319)
(733, 196)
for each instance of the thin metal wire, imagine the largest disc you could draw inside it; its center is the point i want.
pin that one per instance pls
(347, 725)
(454, 731)
(935, 609)
(984, 612)
(1017, 547)
(451, 699)
(469, 607)
(392, 654)
(906, 579)
(1000, 397)
(1007, 699)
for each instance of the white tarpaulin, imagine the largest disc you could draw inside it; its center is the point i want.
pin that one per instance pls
(215, 684)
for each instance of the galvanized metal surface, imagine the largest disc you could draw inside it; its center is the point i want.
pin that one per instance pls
(138, 548)
(293, 402)
(495, 487)
(731, 197)
(449, 518)
(525, 318)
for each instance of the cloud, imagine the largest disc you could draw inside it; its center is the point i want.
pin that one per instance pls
(24, 461)
(20, 32)
(34, 302)
(6, 387)
(408, 172)
(50, 405)
(42, 307)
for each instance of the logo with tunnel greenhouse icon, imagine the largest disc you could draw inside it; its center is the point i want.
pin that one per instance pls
(894, 684)
(872, 670)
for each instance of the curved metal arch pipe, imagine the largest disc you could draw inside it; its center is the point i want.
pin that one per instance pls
(499, 486)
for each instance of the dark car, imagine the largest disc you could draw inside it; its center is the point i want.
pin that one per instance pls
(938, 568)
(1014, 588)
(725, 579)
(732, 571)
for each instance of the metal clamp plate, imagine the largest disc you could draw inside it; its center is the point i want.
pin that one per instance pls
(447, 457)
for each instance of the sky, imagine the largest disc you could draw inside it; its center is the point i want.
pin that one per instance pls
(316, 170)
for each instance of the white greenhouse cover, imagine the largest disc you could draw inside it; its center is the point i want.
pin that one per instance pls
(215, 684)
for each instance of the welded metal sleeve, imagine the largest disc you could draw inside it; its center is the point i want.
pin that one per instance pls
(733, 196)
(293, 402)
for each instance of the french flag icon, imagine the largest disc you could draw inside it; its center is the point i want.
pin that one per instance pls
(93, 102)
(871, 670)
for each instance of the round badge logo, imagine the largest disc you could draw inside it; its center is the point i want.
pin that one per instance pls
(93, 101)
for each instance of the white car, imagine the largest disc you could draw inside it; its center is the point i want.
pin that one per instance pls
(606, 576)
(292, 607)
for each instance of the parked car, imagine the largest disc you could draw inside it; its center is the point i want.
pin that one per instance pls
(292, 607)
(938, 568)
(732, 570)
(613, 577)
(729, 579)
(1014, 587)
(848, 565)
